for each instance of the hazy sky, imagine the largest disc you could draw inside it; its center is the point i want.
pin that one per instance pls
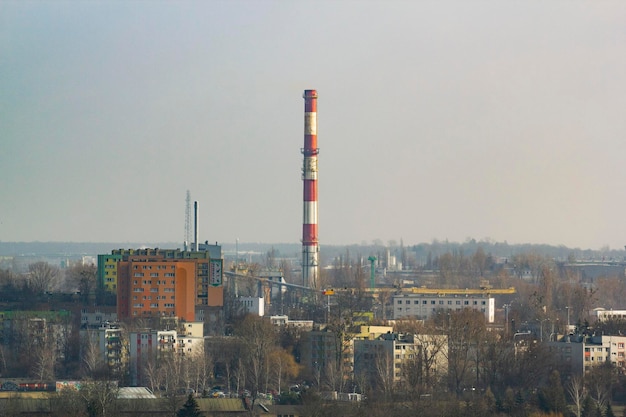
(436, 120)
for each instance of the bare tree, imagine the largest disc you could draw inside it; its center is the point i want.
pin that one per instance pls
(466, 331)
(45, 361)
(68, 402)
(259, 338)
(384, 367)
(42, 277)
(283, 366)
(599, 382)
(576, 389)
(100, 397)
(81, 278)
(93, 360)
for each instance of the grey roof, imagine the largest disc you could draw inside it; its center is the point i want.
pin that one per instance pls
(134, 392)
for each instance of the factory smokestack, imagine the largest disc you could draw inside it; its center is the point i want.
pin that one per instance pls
(195, 226)
(310, 248)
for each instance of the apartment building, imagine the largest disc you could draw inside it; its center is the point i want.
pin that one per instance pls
(323, 352)
(388, 357)
(208, 272)
(150, 345)
(584, 352)
(150, 287)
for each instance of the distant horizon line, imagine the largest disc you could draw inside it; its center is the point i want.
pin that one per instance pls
(373, 243)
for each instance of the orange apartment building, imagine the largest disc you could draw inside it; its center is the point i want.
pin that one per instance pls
(148, 287)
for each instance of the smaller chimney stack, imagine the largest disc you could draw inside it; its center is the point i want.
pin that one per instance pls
(195, 226)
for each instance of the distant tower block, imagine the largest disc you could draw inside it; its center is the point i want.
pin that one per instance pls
(310, 247)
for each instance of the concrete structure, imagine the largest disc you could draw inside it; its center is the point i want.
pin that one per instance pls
(168, 282)
(391, 353)
(149, 345)
(310, 245)
(252, 305)
(27, 329)
(601, 314)
(190, 339)
(284, 321)
(107, 271)
(185, 340)
(321, 348)
(97, 317)
(105, 343)
(208, 260)
(584, 352)
(424, 306)
(149, 287)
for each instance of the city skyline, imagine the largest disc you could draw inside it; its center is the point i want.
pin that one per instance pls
(436, 120)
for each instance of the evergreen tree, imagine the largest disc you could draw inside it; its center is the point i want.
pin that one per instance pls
(589, 407)
(190, 408)
(608, 411)
(552, 397)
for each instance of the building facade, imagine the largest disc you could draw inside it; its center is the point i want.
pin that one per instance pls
(390, 357)
(153, 346)
(580, 353)
(149, 287)
(424, 306)
(208, 274)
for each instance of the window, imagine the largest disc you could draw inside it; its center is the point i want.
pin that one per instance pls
(424, 302)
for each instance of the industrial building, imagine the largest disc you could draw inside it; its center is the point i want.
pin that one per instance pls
(424, 306)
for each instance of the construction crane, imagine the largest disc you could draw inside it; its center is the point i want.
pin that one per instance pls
(459, 291)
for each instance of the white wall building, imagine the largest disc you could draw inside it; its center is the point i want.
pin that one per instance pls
(252, 305)
(424, 306)
(153, 345)
(284, 321)
(602, 314)
(389, 353)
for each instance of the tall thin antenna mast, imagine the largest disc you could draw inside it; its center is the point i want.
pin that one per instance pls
(187, 220)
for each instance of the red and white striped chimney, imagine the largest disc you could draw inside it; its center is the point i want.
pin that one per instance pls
(310, 248)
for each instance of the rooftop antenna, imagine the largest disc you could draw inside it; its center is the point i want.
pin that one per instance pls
(187, 220)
